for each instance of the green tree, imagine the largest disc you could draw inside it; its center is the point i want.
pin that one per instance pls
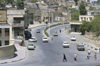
(76, 1)
(96, 26)
(98, 1)
(85, 26)
(88, 0)
(8, 1)
(35, 0)
(75, 15)
(82, 9)
(20, 3)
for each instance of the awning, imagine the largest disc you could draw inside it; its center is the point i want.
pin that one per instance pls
(4, 26)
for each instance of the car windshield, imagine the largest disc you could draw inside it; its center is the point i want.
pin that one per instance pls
(30, 44)
(44, 38)
(66, 43)
(81, 45)
(34, 38)
(73, 36)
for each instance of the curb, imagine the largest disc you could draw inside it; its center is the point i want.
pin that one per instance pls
(93, 48)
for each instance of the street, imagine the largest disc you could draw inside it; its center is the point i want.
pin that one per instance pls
(51, 53)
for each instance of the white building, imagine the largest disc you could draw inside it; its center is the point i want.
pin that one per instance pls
(86, 18)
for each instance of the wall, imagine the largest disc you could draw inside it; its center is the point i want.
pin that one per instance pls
(90, 38)
(7, 51)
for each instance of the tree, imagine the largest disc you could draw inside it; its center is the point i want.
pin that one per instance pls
(96, 26)
(98, 1)
(75, 15)
(85, 26)
(8, 1)
(76, 1)
(35, 0)
(82, 9)
(20, 3)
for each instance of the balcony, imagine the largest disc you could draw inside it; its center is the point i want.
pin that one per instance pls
(20, 24)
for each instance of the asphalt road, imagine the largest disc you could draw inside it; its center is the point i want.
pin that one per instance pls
(51, 53)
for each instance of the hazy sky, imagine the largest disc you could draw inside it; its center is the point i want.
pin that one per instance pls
(94, 0)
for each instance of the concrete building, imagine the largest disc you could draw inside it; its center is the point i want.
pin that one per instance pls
(18, 22)
(93, 13)
(86, 18)
(75, 26)
(6, 38)
(47, 15)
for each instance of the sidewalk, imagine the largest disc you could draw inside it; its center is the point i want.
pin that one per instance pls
(80, 40)
(20, 54)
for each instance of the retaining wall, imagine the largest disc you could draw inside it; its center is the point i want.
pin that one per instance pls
(6, 51)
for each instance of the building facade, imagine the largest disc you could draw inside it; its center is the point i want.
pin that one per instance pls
(86, 18)
(18, 22)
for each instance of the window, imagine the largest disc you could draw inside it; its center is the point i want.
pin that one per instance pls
(6, 31)
(0, 43)
(0, 15)
(0, 31)
(6, 42)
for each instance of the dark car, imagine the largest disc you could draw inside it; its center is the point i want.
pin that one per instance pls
(27, 35)
(38, 31)
(80, 47)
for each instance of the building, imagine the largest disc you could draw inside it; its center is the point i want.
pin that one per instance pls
(18, 22)
(75, 26)
(47, 15)
(93, 13)
(86, 18)
(6, 36)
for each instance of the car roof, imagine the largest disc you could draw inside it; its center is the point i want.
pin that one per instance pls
(33, 37)
(65, 42)
(80, 44)
(44, 37)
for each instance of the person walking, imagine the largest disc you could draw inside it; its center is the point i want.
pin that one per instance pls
(60, 30)
(87, 57)
(64, 58)
(75, 55)
(89, 52)
(95, 56)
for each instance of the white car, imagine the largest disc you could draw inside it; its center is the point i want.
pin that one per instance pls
(55, 34)
(45, 39)
(65, 44)
(73, 38)
(33, 39)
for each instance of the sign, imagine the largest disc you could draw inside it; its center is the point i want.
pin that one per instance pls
(4, 26)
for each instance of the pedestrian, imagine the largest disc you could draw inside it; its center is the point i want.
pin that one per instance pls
(52, 38)
(87, 57)
(95, 56)
(89, 52)
(64, 58)
(60, 30)
(75, 55)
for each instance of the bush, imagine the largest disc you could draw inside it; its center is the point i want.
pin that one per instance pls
(50, 27)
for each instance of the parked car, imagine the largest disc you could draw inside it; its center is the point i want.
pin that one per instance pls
(33, 39)
(73, 38)
(55, 34)
(38, 31)
(65, 44)
(27, 35)
(45, 39)
(80, 47)
(31, 46)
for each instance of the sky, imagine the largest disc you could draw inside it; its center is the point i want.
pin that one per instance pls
(93, 0)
